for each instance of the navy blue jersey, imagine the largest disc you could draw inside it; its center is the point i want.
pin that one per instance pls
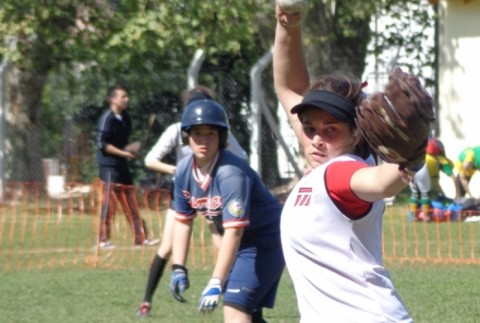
(232, 196)
(114, 130)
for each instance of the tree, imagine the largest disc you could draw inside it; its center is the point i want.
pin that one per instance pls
(89, 44)
(39, 37)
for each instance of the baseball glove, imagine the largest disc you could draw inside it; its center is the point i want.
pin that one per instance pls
(396, 123)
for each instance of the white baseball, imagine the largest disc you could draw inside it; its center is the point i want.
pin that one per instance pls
(292, 6)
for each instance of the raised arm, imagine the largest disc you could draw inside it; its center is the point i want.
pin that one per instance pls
(289, 68)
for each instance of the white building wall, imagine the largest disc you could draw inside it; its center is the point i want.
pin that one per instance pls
(459, 82)
(459, 70)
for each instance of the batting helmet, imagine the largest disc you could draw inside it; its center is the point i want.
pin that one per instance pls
(435, 147)
(206, 112)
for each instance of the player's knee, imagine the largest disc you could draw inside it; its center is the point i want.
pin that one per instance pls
(235, 314)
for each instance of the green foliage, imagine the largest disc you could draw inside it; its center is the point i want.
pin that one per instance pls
(409, 29)
(68, 52)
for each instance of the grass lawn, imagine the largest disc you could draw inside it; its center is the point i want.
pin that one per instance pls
(432, 293)
(44, 276)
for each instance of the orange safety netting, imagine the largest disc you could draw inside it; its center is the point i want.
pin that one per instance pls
(434, 241)
(39, 230)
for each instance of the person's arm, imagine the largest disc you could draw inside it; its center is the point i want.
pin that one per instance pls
(161, 167)
(182, 232)
(104, 132)
(375, 183)
(290, 72)
(165, 144)
(235, 196)
(227, 253)
(181, 241)
(456, 184)
(112, 150)
(464, 182)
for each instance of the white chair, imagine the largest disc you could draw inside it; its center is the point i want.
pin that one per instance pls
(58, 191)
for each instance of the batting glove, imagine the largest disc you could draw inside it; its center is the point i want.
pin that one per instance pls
(179, 282)
(210, 296)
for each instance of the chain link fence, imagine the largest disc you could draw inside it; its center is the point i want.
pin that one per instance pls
(50, 201)
(59, 138)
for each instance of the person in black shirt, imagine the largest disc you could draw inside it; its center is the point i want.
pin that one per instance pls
(113, 132)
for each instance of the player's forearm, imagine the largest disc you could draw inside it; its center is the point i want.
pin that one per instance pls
(227, 253)
(375, 183)
(464, 184)
(112, 150)
(290, 71)
(182, 233)
(160, 167)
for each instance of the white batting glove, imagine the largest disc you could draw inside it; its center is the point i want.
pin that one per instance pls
(210, 296)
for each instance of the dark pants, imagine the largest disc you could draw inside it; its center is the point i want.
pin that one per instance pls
(118, 190)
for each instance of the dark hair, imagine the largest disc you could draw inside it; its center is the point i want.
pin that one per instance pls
(197, 93)
(351, 89)
(111, 91)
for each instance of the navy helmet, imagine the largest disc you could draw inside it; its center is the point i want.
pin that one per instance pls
(207, 112)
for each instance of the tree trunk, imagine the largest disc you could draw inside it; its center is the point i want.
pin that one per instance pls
(330, 48)
(23, 155)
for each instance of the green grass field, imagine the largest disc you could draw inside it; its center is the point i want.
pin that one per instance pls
(39, 285)
(432, 293)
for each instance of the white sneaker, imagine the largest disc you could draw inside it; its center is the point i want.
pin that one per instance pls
(151, 242)
(106, 245)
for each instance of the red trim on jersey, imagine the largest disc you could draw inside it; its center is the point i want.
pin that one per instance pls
(337, 182)
(185, 217)
(236, 224)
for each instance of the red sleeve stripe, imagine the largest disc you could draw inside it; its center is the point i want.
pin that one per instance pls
(236, 224)
(184, 217)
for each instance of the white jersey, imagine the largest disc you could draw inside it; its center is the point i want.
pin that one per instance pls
(171, 139)
(336, 262)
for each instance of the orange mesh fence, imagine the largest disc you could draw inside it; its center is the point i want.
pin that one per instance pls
(41, 231)
(437, 241)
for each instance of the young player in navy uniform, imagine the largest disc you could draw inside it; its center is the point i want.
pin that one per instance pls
(172, 140)
(216, 184)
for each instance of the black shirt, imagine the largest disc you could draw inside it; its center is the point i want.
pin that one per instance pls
(114, 130)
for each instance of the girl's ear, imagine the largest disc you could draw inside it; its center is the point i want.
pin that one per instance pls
(356, 135)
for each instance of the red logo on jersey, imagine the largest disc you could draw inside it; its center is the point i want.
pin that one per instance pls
(303, 196)
(207, 202)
